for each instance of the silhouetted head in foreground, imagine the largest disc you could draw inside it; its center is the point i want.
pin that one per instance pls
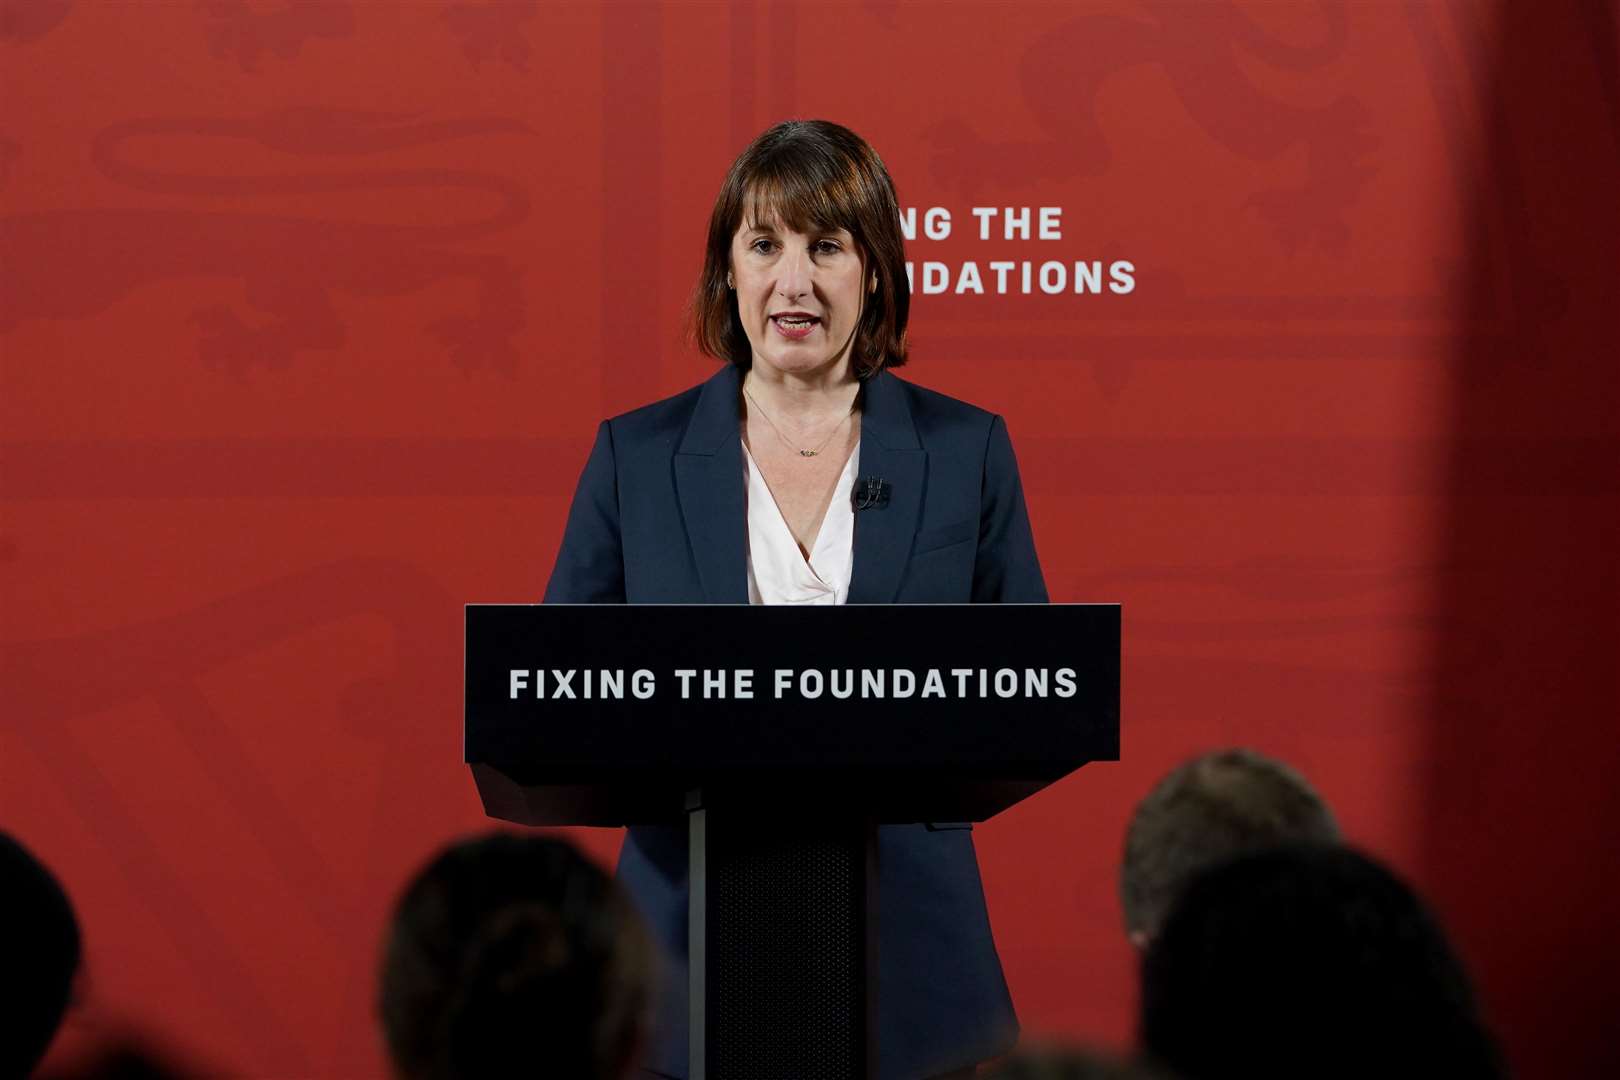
(1311, 961)
(512, 955)
(39, 955)
(1205, 811)
(120, 1058)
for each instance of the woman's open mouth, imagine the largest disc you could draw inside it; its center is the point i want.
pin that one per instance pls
(795, 325)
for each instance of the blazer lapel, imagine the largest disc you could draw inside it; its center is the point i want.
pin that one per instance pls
(890, 451)
(709, 484)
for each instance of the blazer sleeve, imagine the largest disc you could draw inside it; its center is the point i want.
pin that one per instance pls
(1006, 570)
(590, 563)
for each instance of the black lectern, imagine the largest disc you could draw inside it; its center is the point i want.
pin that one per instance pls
(783, 736)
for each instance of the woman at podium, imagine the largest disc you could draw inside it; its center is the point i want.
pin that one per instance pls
(805, 472)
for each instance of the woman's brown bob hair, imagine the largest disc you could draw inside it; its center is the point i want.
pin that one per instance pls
(809, 175)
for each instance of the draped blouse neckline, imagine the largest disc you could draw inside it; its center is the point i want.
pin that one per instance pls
(778, 572)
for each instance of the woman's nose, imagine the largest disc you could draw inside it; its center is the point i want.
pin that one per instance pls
(793, 279)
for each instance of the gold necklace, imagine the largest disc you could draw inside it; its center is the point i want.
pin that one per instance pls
(798, 449)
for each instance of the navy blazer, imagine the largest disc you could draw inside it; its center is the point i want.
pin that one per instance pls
(660, 517)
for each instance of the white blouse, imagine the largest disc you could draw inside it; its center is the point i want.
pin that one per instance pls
(778, 572)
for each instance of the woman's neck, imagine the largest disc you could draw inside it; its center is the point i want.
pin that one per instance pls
(803, 398)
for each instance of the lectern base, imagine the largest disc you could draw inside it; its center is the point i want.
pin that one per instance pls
(782, 944)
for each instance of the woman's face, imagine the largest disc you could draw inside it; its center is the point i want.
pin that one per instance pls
(799, 295)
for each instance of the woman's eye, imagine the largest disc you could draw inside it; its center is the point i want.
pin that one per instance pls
(761, 246)
(827, 247)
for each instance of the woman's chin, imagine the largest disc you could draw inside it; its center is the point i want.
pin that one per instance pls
(795, 360)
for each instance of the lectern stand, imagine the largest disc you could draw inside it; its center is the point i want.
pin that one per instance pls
(782, 944)
(945, 713)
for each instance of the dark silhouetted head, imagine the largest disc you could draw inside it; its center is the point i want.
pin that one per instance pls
(1212, 808)
(1311, 961)
(120, 1058)
(38, 959)
(513, 955)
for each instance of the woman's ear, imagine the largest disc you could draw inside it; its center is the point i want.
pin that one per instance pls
(872, 288)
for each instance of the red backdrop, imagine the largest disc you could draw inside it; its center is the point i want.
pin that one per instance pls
(310, 309)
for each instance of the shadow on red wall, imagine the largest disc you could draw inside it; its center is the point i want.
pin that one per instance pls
(1523, 814)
